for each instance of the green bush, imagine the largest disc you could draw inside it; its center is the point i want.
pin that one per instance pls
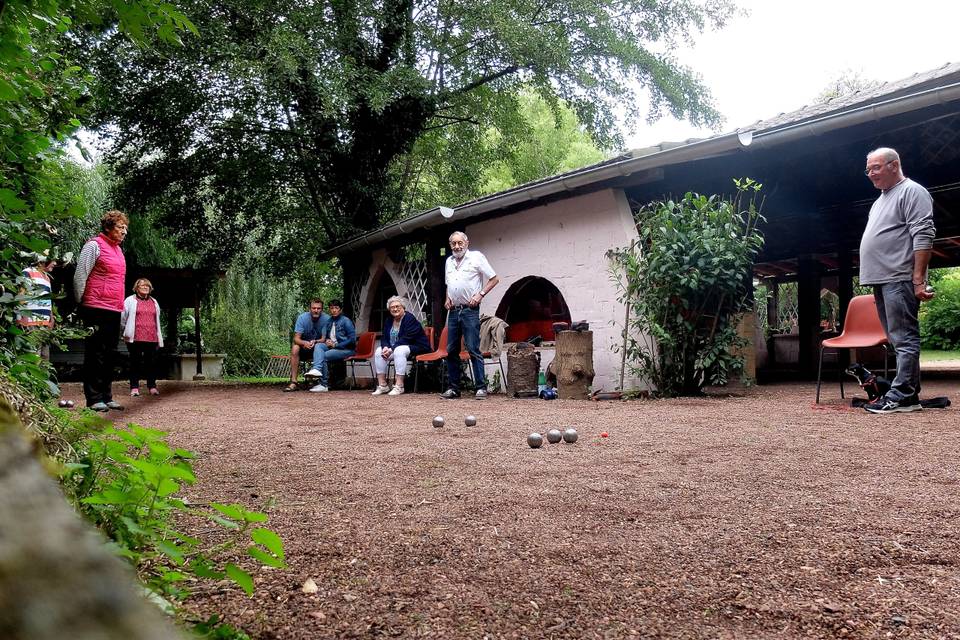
(940, 317)
(126, 481)
(686, 284)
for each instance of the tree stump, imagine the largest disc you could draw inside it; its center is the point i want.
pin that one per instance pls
(573, 364)
(57, 577)
(523, 368)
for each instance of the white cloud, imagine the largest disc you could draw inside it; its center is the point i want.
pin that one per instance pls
(782, 55)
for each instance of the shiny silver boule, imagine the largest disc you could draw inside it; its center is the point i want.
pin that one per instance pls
(554, 436)
(535, 440)
(438, 422)
(570, 436)
(63, 403)
(470, 421)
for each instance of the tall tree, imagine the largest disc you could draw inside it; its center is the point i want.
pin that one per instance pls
(43, 97)
(461, 162)
(283, 120)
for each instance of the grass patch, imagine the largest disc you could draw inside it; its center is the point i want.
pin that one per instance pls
(255, 379)
(931, 355)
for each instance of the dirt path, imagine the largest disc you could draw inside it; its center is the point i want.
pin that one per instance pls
(754, 516)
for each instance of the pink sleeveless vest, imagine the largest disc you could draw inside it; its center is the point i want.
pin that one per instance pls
(104, 288)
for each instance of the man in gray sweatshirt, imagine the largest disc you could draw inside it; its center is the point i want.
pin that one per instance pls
(894, 254)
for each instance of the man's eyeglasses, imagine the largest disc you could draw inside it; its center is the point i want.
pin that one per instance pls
(876, 168)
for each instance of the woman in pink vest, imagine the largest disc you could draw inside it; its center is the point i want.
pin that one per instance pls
(141, 331)
(98, 287)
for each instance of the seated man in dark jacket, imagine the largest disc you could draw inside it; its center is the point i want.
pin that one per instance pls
(338, 343)
(403, 338)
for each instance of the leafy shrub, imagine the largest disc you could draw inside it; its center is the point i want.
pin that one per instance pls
(686, 283)
(940, 317)
(126, 481)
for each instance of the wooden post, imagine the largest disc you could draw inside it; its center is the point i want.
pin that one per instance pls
(436, 263)
(573, 364)
(196, 334)
(845, 293)
(808, 311)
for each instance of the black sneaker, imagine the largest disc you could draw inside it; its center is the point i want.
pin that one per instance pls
(450, 394)
(885, 405)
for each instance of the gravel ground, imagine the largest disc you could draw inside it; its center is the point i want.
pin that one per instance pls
(756, 515)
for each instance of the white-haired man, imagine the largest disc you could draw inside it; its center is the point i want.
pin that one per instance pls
(469, 278)
(894, 254)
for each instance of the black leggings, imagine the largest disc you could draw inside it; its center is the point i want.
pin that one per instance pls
(142, 358)
(98, 353)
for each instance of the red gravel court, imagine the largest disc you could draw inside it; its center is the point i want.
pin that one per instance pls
(732, 517)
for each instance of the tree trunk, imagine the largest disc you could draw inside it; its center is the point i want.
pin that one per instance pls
(57, 577)
(523, 368)
(573, 364)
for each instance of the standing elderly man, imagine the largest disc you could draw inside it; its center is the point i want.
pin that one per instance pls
(894, 254)
(469, 278)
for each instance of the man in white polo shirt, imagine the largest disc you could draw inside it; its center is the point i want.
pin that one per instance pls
(469, 278)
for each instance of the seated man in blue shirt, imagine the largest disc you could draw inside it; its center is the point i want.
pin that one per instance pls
(339, 343)
(308, 333)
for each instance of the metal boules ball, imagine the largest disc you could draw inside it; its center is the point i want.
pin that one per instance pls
(438, 422)
(470, 421)
(63, 403)
(570, 436)
(71, 404)
(554, 436)
(535, 440)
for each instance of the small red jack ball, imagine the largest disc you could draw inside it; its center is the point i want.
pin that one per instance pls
(604, 434)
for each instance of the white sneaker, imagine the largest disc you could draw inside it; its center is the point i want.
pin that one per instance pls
(381, 390)
(396, 391)
(313, 373)
(319, 389)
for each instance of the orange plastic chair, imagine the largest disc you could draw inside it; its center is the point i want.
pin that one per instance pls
(365, 345)
(861, 329)
(429, 333)
(433, 356)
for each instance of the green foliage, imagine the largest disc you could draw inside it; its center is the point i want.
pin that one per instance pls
(533, 139)
(686, 284)
(126, 481)
(249, 317)
(43, 96)
(940, 317)
(283, 121)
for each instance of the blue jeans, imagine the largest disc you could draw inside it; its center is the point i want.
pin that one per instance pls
(898, 307)
(322, 354)
(463, 321)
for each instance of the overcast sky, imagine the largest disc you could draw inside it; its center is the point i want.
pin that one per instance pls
(783, 55)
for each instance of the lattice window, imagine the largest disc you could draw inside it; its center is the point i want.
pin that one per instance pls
(358, 286)
(938, 141)
(788, 311)
(416, 275)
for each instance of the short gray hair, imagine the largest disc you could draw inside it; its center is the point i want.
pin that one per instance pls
(393, 299)
(458, 233)
(888, 154)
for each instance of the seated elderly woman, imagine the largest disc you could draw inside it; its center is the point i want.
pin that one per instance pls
(403, 338)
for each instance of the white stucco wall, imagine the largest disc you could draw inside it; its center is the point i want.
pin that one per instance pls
(566, 242)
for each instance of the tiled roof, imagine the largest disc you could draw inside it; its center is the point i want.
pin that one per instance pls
(883, 91)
